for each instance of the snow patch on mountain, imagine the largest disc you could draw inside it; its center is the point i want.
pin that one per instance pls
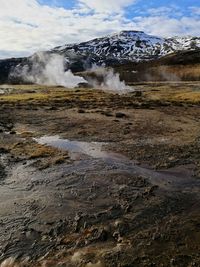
(126, 46)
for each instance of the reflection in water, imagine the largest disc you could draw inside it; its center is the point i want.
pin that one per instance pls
(92, 149)
(174, 177)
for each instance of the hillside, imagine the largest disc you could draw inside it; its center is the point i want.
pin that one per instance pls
(123, 47)
(179, 66)
(126, 51)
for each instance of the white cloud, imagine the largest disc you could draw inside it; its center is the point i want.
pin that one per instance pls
(167, 27)
(108, 6)
(165, 11)
(195, 10)
(27, 26)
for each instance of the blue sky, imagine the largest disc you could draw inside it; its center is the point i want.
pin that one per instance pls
(59, 3)
(27, 26)
(182, 4)
(137, 7)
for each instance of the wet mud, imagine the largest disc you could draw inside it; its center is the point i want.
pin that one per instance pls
(89, 187)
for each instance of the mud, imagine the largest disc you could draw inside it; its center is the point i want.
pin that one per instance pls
(92, 188)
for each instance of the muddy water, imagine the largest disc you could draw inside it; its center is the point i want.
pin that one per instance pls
(92, 149)
(177, 177)
(37, 207)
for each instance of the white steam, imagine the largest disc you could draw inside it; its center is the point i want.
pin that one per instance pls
(110, 80)
(47, 69)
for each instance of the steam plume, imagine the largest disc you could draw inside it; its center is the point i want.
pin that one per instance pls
(46, 69)
(49, 69)
(110, 81)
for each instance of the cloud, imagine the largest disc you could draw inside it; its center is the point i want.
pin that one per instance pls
(107, 6)
(195, 10)
(169, 21)
(27, 26)
(171, 10)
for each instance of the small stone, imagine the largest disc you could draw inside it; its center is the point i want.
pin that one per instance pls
(120, 115)
(81, 111)
(12, 132)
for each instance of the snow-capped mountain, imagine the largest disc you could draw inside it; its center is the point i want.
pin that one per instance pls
(124, 47)
(112, 50)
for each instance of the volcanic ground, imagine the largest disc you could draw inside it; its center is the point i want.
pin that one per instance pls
(95, 179)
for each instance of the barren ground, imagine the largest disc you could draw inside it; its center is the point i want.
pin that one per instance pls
(136, 204)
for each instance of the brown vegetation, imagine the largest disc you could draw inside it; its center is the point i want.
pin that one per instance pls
(182, 66)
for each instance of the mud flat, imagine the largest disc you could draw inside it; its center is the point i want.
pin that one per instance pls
(91, 178)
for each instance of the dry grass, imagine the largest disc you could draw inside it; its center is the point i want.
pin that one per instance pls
(55, 96)
(43, 156)
(174, 93)
(30, 97)
(160, 73)
(176, 72)
(32, 150)
(48, 94)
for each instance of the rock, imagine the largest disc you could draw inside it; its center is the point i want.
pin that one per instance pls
(107, 113)
(81, 111)
(120, 115)
(12, 132)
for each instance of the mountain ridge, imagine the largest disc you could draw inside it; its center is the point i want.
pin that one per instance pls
(112, 50)
(127, 46)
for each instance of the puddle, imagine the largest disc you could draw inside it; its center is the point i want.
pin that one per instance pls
(174, 178)
(92, 149)
(37, 203)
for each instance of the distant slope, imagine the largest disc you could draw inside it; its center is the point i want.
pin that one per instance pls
(124, 47)
(179, 66)
(7, 65)
(127, 48)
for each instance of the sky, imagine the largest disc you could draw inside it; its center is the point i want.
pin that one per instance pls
(28, 26)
